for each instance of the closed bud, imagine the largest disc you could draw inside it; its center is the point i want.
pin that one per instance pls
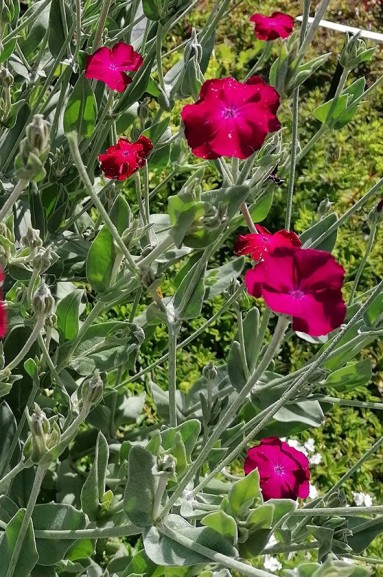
(44, 259)
(31, 238)
(43, 302)
(323, 209)
(38, 136)
(45, 434)
(165, 466)
(6, 78)
(92, 389)
(376, 215)
(210, 371)
(355, 52)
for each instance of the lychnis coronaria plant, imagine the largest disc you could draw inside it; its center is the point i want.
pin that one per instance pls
(136, 170)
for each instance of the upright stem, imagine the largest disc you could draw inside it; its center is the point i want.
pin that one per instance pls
(40, 473)
(248, 219)
(363, 262)
(105, 5)
(12, 199)
(293, 158)
(73, 145)
(231, 411)
(172, 374)
(313, 27)
(28, 344)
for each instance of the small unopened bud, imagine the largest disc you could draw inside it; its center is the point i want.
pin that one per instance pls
(166, 466)
(45, 434)
(92, 389)
(210, 371)
(355, 52)
(31, 238)
(376, 215)
(6, 78)
(43, 302)
(323, 209)
(38, 136)
(44, 259)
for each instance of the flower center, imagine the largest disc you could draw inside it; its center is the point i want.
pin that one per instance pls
(279, 470)
(125, 153)
(230, 112)
(113, 66)
(265, 239)
(297, 294)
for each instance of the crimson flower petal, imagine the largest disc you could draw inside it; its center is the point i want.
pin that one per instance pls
(278, 25)
(124, 158)
(109, 65)
(230, 118)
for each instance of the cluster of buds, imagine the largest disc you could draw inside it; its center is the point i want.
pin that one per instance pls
(43, 302)
(45, 434)
(34, 150)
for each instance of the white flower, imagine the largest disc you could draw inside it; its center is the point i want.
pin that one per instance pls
(271, 563)
(297, 446)
(315, 459)
(310, 445)
(313, 492)
(362, 499)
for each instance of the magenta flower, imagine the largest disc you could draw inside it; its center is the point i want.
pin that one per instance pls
(283, 470)
(303, 283)
(278, 25)
(124, 158)
(110, 65)
(257, 245)
(231, 118)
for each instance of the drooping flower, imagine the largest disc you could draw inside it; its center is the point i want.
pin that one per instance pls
(283, 470)
(303, 283)
(278, 25)
(257, 245)
(3, 314)
(111, 64)
(124, 158)
(231, 118)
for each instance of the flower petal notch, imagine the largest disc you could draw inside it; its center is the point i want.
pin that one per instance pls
(125, 158)
(303, 283)
(231, 118)
(111, 64)
(258, 244)
(278, 25)
(283, 470)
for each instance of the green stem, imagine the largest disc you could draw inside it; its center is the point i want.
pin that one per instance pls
(12, 473)
(88, 533)
(157, 252)
(40, 473)
(225, 561)
(172, 374)
(73, 145)
(293, 159)
(105, 5)
(26, 22)
(241, 340)
(348, 402)
(12, 199)
(266, 51)
(27, 345)
(248, 219)
(322, 7)
(141, 207)
(345, 511)
(375, 189)
(363, 262)
(231, 412)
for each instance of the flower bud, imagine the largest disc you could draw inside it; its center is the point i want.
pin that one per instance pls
(323, 209)
(165, 466)
(92, 389)
(376, 215)
(38, 136)
(6, 78)
(210, 371)
(43, 302)
(45, 434)
(31, 238)
(44, 259)
(355, 52)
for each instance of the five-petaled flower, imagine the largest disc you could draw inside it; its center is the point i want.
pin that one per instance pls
(303, 283)
(3, 315)
(231, 118)
(278, 25)
(283, 470)
(124, 158)
(111, 64)
(257, 245)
